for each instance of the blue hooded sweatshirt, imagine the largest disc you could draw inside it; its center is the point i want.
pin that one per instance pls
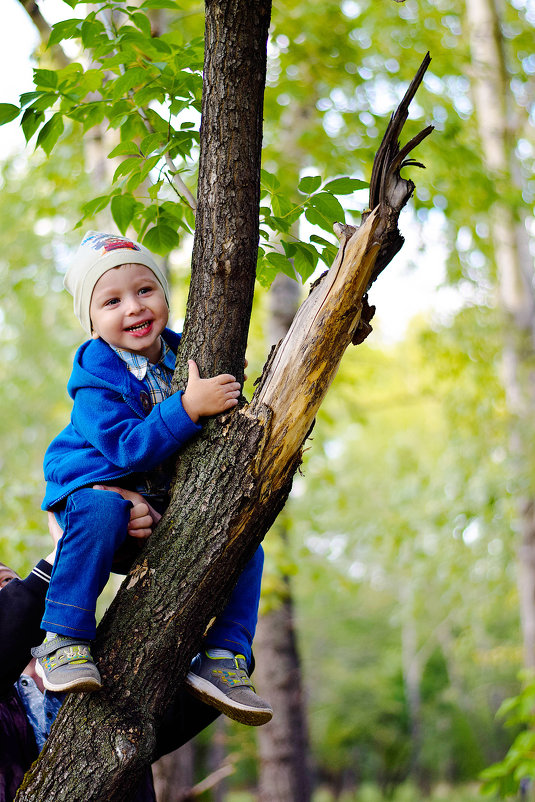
(113, 432)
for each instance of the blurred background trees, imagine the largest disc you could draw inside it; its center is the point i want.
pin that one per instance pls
(401, 537)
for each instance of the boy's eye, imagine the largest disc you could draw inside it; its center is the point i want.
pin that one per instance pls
(111, 302)
(144, 290)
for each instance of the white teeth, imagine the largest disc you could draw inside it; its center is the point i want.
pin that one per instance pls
(139, 326)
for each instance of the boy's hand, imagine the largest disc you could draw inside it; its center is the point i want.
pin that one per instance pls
(209, 396)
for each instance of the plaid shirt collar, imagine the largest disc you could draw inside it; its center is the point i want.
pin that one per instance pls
(139, 365)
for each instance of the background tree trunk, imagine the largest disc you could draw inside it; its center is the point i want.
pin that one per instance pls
(497, 123)
(283, 743)
(173, 774)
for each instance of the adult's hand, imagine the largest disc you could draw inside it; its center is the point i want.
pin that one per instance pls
(143, 517)
(55, 532)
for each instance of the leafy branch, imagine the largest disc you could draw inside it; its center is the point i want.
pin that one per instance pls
(505, 777)
(139, 86)
(282, 250)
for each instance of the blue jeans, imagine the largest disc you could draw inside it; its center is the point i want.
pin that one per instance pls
(95, 524)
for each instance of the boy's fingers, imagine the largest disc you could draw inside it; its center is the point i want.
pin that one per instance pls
(193, 370)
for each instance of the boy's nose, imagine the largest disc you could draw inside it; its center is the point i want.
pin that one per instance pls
(134, 304)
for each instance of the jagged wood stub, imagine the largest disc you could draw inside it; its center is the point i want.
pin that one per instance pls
(304, 364)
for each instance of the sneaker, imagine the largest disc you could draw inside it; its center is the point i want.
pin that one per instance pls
(224, 683)
(65, 664)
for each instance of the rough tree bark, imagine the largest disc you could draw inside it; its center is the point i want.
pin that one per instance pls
(233, 480)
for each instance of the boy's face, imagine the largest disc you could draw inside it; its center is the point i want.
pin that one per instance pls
(128, 310)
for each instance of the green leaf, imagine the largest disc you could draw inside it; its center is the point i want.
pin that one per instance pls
(328, 206)
(127, 166)
(317, 219)
(322, 241)
(157, 122)
(265, 273)
(345, 185)
(92, 115)
(96, 205)
(44, 101)
(31, 120)
(48, 79)
(130, 79)
(93, 79)
(161, 239)
(91, 30)
(142, 22)
(150, 92)
(269, 181)
(123, 208)
(281, 263)
(50, 133)
(150, 163)
(8, 112)
(309, 184)
(66, 29)
(170, 4)
(124, 149)
(305, 259)
(27, 97)
(281, 205)
(154, 189)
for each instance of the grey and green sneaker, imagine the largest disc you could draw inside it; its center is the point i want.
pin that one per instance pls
(224, 683)
(65, 664)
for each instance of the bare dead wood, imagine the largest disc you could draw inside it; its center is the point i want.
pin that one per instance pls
(303, 366)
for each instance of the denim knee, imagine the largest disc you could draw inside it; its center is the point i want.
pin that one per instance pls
(104, 513)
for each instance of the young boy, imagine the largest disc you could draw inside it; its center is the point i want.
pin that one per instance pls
(124, 428)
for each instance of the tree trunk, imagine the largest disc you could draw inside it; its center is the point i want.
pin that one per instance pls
(283, 742)
(412, 679)
(493, 102)
(173, 774)
(234, 479)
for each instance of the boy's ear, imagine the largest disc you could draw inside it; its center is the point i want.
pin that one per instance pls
(94, 335)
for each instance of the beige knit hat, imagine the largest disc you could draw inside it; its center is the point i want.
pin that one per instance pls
(98, 253)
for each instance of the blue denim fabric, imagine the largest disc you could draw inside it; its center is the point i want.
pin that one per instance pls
(234, 629)
(95, 524)
(41, 710)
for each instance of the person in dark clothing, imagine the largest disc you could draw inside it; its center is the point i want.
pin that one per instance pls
(27, 712)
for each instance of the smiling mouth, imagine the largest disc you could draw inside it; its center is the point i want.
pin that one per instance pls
(140, 326)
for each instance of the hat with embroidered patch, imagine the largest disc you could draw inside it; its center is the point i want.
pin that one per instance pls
(97, 254)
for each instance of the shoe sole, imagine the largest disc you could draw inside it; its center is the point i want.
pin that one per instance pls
(204, 690)
(86, 684)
